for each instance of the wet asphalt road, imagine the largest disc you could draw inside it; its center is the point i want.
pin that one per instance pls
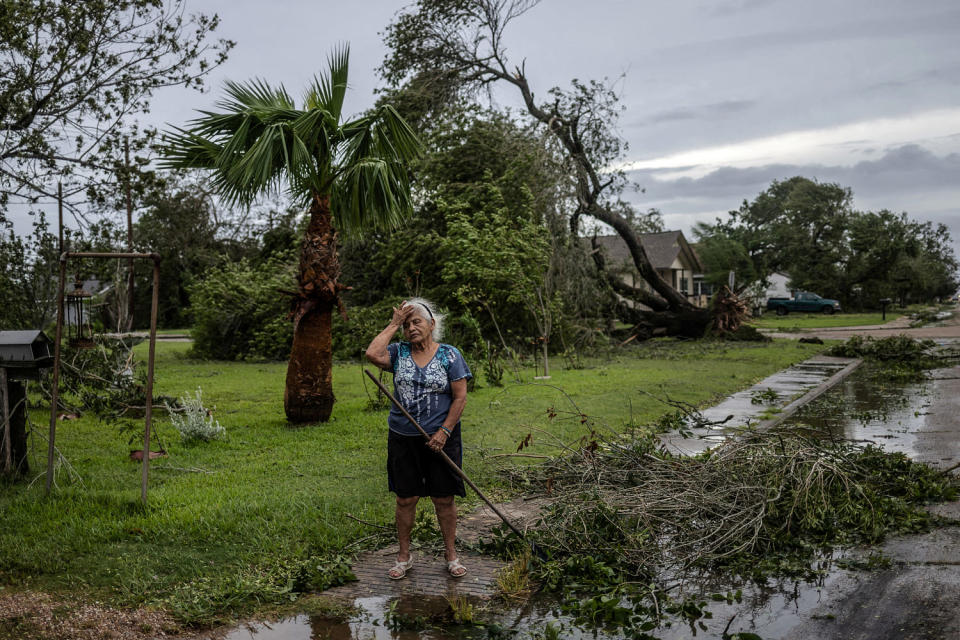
(918, 596)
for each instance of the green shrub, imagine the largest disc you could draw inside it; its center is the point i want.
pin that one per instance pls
(240, 313)
(351, 337)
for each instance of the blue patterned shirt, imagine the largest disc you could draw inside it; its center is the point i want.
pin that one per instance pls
(424, 391)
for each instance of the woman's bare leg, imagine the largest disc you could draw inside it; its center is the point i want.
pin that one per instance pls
(406, 511)
(447, 519)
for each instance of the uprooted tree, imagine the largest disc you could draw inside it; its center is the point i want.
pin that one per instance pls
(445, 49)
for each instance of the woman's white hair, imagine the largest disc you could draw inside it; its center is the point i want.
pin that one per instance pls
(425, 309)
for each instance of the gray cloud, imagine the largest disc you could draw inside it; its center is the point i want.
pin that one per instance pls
(698, 112)
(907, 178)
(736, 7)
(906, 167)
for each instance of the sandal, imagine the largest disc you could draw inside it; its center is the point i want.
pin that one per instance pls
(399, 570)
(456, 569)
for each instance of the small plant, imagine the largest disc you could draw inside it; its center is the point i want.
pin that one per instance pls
(551, 632)
(764, 396)
(875, 561)
(394, 620)
(674, 421)
(194, 422)
(425, 530)
(513, 581)
(493, 368)
(462, 610)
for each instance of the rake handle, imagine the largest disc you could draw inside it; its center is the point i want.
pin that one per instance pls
(453, 465)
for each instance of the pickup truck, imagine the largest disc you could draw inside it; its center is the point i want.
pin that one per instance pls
(804, 301)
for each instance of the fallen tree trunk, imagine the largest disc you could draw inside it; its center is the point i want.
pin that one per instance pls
(682, 323)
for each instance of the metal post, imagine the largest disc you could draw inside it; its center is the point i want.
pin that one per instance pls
(7, 444)
(60, 248)
(130, 278)
(155, 302)
(55, 385)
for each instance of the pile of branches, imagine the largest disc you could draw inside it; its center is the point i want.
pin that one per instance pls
(896, 358)
(106, 380)
(640, 509)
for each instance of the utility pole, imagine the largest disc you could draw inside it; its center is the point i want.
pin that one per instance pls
(130, 301)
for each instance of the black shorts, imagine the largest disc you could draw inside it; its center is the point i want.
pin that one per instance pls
(415, 470)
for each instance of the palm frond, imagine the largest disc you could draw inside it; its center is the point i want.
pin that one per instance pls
(255, 95)
(328, 91)
(314, 127)
(184, 149)
(261, 143)
(259, 169)
(372, 194)
(397, 136)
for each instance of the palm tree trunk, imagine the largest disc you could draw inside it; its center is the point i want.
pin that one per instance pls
(308, 395)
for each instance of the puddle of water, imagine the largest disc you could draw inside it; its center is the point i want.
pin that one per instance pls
(769, 610)
(416, 617)
(887, 414)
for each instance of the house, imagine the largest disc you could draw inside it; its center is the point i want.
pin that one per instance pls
(757, 294)
(670, 255)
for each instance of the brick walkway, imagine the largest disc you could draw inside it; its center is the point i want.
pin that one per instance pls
(429, 576)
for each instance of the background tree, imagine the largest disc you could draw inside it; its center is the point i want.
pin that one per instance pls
(352, 176)
(28, 279)
(185, 225)
(808, 231)
(459, 46)
(722, 254)
(796, 227)
(478, 165)
(73, 74)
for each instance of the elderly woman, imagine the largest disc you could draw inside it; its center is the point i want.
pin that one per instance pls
(430, 381)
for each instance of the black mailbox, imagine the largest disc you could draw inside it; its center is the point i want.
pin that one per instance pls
(24, 353)
(883, 306)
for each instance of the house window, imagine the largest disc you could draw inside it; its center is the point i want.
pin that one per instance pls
(701, 288)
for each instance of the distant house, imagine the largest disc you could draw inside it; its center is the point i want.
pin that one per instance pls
(778, 286)
(669, 253)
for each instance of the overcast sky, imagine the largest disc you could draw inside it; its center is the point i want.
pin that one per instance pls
(721, 96)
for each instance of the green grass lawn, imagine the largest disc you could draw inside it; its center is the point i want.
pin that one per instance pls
(797, 321)
(235, 525)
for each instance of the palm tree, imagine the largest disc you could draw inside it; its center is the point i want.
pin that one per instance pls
(352, 176)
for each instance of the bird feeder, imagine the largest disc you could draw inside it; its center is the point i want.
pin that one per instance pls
(79, 331)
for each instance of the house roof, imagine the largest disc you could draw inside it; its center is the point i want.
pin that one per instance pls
(662, 248)
(27, 336)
